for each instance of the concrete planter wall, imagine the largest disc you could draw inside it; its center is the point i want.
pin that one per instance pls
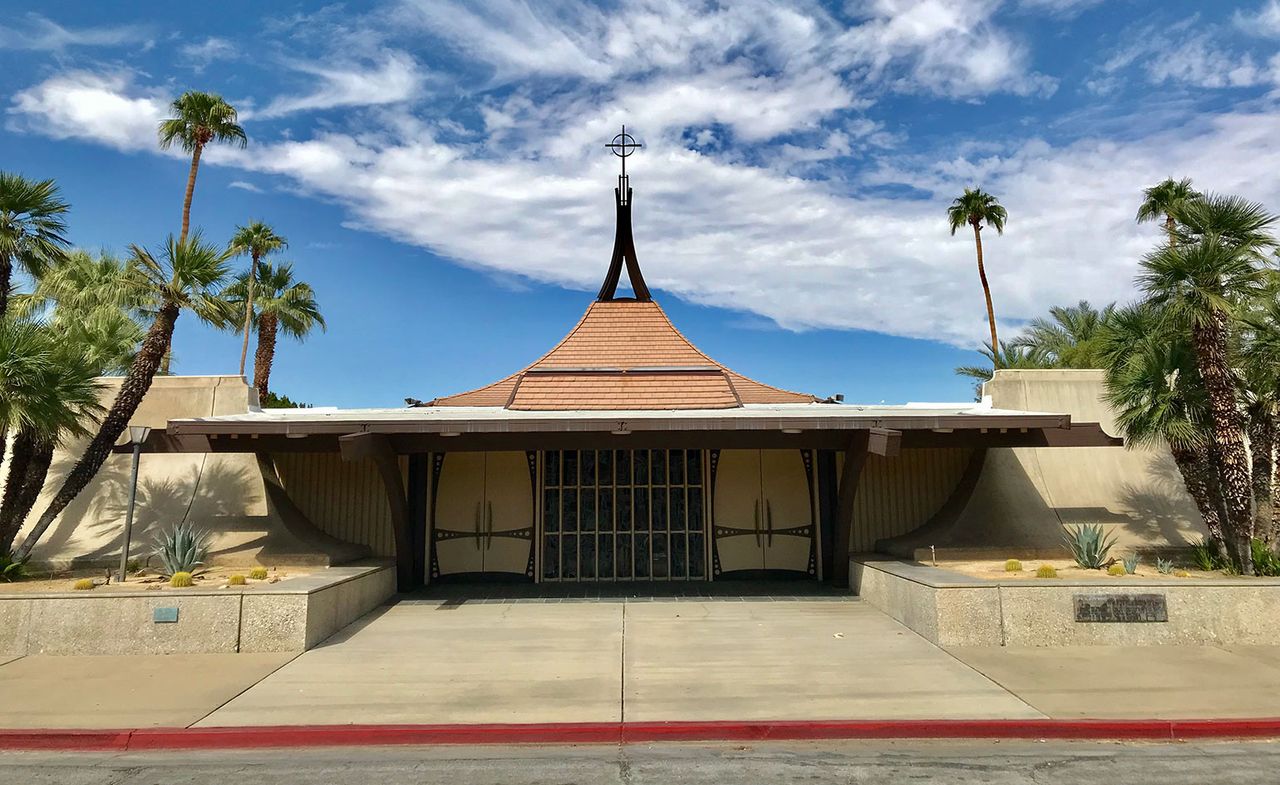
(293, 615)
(950, 609)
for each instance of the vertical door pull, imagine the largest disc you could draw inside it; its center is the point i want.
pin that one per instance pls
(768, 517)
(476, 527)
(756, 516)
(488, 542)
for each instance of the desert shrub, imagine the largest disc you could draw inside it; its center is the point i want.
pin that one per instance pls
(1265, 560)
(181, 580)
(258, 573)
(236, 580)
(1164, 566)
(11, 569)
(1204, 555)
(183, 549)
(1089, 544)
(1013, 565)
(1117, 569)
(1130, 563)
(1046, 571)
(83, 584)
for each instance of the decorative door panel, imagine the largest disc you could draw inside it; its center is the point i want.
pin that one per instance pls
(459, 513)
(739, 513)
(764, 515)
(785, 477)
(508, 514)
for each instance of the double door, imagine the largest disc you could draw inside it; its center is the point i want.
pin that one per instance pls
(764, 517)
(484, 515)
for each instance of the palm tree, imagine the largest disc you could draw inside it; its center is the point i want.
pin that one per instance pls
(1164, 201)
(1010, 357)
(95, 302)
(186, 276)
(283, 304)
(1154, 388)
(1260, 374)
(1070, 338)
(198, 119)
(976, 207)
(257, 239)
(32, 228)
(48, 391)
(1201, 280)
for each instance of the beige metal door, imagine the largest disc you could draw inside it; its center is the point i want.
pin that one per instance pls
(508, 513)
(460, 513)
(788, 516)
(739, 511)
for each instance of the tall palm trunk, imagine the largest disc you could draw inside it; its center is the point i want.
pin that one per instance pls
(19, 459)
(6, 280)
(268, 325)
(1210, 342)
(28, 489)
(986, 290)
(191, 189)
(1171, 228)
(1200, 477)
(1262, 437)
(250, 285)
(132, 390)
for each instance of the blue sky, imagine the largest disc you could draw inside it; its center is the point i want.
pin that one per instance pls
(438, 166)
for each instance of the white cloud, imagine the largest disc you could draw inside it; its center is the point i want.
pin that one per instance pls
(98, 107)
(394, 77)
(1265, 21)
(1189, 53)
(33, 32)
(244, 186)
(211, 49)
(1062, 8)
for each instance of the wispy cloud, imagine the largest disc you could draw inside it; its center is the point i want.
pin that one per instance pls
(392, 77)
(244, 186)
(33, 32)
(200, 55)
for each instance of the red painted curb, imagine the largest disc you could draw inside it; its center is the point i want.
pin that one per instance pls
(626, 733)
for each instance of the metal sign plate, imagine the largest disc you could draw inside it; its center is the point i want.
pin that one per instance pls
(1121, 608)
(164, 615)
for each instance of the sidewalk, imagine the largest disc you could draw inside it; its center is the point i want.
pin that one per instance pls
(767, 665)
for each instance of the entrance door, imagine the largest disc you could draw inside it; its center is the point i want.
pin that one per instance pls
(483, 515)
(763, 512)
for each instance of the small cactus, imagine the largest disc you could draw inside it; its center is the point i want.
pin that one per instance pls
(84, 584)
(1046, 571)
(236, 580)
(1117, 569)
(258, 573)
(1013, 565)
(1182, 574)
(181, 580)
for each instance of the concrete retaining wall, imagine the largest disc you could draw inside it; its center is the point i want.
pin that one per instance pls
(950, 609)
(293, 615)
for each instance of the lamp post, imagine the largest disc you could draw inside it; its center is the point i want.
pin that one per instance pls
(137, 435)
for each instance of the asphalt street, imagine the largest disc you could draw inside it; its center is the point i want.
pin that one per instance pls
(954, 763)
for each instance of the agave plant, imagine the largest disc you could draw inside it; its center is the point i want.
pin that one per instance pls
(1089, 544)
(183, 549)
(1130, 563)
(1164, 566)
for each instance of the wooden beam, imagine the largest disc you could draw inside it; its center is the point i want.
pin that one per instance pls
(376, 447)
(884, 441)
(855, 458)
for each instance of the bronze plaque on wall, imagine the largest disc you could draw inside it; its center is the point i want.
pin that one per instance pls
(1121, 608)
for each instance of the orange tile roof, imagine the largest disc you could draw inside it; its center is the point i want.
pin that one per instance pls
(638, 360)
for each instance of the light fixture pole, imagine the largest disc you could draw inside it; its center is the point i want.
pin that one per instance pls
(137, 435)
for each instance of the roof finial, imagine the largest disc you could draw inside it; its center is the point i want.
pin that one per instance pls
(624, 246)
(623, 145)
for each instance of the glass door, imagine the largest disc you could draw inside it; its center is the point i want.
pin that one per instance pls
(622, 515)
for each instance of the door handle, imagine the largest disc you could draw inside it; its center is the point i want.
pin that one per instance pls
(756, 515)
(477, 526)
(488, 541)
(768, 517)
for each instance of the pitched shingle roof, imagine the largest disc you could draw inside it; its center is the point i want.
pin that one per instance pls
(624, 355)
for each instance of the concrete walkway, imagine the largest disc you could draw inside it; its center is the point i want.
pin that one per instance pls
(451, 661)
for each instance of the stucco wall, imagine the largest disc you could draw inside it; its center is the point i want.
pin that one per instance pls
(225, 493)
(1024, 496)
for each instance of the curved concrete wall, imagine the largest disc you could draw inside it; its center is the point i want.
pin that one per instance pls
(344, 499)
(1023, 496)
(899, 494)
(235, 496)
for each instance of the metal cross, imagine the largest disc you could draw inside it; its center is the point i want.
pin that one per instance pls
(623, 145)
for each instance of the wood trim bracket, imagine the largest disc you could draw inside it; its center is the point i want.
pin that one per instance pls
(377, 447)
(855, 458)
